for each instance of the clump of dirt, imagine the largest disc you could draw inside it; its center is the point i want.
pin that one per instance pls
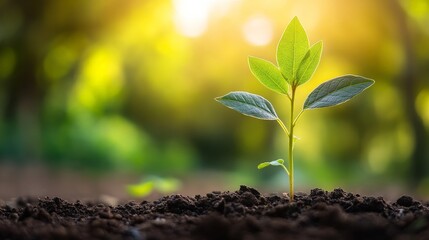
(243, 214)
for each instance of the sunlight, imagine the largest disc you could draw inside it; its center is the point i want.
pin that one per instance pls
(191, 16)
(258, 31)
(100, 81)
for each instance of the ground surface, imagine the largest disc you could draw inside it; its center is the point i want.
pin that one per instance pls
(243, 214)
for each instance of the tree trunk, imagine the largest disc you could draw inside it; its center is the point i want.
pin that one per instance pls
(408, 82)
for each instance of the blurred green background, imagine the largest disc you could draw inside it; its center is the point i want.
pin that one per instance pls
(109, 87)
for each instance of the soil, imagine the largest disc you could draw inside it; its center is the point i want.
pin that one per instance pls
(243, 214)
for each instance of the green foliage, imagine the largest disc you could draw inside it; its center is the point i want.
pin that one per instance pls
(114, 143)
(297, 63)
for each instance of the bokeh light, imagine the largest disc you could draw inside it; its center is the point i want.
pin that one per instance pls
(258, 31)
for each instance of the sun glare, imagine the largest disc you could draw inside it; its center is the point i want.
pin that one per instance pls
(191, 17)
(258, 31)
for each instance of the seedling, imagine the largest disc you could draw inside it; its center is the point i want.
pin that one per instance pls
(296, 64)
(153, 184)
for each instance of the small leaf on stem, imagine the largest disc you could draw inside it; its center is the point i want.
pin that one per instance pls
(278, 162)
(337, 91)
(249, 104)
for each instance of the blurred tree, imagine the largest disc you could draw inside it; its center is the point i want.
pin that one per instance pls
(409, 83)
(63, 99)
(23, 91)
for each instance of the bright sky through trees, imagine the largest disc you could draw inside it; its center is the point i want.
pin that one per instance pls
(191, 17)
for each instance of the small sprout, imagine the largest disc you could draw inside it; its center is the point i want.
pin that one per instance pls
(141, 189)
(296, 63)
(153, 183)
(278, 162)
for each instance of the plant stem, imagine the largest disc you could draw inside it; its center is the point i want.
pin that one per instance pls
(283, 126)
(283, 166)
(298, 116)
(291, 142)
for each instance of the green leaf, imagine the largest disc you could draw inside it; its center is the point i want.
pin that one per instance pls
(337, 91)
(291, 49)
(277, 162)
(263, 165)
(268, 74)
(249, 104)
(310, 63)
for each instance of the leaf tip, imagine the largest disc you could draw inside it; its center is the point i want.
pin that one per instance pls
(263, 165)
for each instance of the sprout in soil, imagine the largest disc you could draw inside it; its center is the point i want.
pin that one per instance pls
(296, 63)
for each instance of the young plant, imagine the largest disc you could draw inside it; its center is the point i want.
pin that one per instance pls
(296, 63)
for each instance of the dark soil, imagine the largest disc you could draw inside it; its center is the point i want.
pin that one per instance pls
(244, 214)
